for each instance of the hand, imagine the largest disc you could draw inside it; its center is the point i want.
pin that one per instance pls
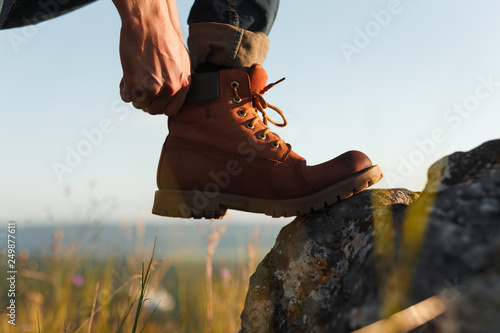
(155, 62)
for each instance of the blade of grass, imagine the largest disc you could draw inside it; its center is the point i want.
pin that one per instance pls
(109, 299)
(127, 312)
(149, 318)
(144, 284)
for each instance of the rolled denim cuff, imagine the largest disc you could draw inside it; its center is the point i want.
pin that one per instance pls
(226, 45)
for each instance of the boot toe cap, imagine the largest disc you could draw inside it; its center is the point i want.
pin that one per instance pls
(354, 161)
(338, 169)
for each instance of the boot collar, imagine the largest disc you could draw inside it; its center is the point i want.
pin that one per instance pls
(204, 88)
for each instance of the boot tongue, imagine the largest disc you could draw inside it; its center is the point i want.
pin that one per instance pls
(258, 78)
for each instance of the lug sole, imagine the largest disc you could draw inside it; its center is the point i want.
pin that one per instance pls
(200, 204)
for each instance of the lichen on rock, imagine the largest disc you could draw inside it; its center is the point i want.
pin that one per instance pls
(383, 250)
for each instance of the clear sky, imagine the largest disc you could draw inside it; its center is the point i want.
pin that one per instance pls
(407, 82)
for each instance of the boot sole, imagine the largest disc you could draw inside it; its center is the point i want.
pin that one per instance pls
(200, 204)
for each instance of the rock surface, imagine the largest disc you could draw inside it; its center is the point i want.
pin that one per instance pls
(382, 251)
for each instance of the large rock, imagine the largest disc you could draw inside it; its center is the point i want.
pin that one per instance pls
(374, 255)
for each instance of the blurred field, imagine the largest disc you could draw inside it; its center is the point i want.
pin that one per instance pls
(89, 279)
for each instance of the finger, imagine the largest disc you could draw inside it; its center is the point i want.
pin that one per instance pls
(176, 102)
(158, 104)
(139, 91)
(167, 104)
(143, 97)
(124, 93)
(144, 94)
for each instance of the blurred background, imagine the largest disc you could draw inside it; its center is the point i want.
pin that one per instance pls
(406, 82)
(356, 79)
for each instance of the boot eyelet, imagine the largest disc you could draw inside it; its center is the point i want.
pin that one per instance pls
(261, 136)
(235, 84)
(249, 126)
(242, 113)
(237, 99)
(275, 145)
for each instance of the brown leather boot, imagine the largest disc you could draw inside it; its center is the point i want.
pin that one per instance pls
(221, 155)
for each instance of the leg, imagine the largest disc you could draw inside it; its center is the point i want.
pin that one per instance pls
(220, 153)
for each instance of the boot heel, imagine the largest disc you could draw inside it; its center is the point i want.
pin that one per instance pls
(187, 204)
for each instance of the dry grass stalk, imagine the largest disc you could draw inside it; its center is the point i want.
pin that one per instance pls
(214, 237)
(93, 307)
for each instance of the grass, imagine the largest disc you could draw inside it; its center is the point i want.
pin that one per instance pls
(70, 289)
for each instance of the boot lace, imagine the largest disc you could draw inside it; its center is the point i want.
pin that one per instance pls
(259, 104)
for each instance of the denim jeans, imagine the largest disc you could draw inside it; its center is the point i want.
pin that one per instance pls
(252, 15)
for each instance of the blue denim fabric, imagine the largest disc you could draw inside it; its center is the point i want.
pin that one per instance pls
(5, 6)
(253, 15)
